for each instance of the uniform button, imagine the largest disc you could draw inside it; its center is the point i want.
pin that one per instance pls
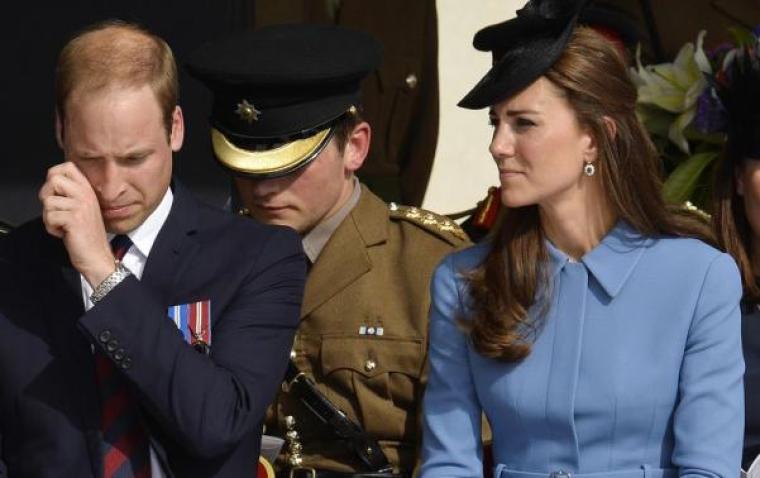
(293, 355)
(126, 363)
(411, 81)
(104, 336)
(112, 345)
(370, 365)
(119, 355)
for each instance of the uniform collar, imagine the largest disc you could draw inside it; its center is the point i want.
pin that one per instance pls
(612, 261)
(317, 238)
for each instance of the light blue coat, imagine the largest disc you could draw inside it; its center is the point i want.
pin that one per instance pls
(636, 372)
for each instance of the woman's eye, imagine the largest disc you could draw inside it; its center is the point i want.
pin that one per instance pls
(524, 123)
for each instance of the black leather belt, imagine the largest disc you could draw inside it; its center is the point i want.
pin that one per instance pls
(366, 447)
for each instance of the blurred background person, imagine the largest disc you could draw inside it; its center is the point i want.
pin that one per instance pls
(736, 214)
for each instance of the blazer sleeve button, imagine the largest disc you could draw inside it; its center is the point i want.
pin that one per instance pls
(112, 345)
(126, 364)
(104, 336)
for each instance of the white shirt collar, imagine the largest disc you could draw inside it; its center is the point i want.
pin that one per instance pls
(145, 234)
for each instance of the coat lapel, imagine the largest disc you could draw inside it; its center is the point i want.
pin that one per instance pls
(345, 257)
(174, 248)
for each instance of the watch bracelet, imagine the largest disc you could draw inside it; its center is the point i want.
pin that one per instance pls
(113, 279)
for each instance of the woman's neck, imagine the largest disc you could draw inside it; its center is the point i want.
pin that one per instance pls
(576, 227)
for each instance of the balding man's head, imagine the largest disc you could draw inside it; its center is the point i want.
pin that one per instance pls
(116, 54)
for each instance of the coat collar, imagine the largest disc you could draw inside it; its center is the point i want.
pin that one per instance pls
(345, 258)
(612, 261)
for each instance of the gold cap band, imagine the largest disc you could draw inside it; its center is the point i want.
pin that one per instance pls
(271, 162)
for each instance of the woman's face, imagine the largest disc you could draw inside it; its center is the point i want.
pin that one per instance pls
(539, 147)
(748, 187)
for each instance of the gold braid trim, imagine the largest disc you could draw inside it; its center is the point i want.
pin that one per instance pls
(427, 220)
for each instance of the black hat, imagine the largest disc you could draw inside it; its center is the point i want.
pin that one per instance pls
(523, 48)
(613, 22)
(279, 90)
(738, 88)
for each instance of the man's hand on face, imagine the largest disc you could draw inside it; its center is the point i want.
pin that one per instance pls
(70, 211)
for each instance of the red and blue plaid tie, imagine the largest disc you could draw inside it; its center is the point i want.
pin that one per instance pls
(125, 441)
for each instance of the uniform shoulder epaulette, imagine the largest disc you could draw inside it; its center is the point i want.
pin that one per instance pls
(436, 223)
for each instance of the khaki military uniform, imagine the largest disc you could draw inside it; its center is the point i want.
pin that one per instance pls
(363, 332)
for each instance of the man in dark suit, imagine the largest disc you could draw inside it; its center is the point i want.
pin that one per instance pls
(156, 356)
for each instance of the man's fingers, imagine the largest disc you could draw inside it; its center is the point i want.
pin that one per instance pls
(58, 203)
(56, 222)
(61, 185)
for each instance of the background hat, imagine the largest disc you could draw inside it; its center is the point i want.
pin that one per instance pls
(613, 22)
(278, 91)
(738, 88)
(523, 48)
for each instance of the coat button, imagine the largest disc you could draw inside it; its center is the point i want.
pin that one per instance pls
(112, 345)
(370, 365)
(126, 363)
(293, 355)
(119, 355)
(411, 81)
(104, 336)
(560, 474)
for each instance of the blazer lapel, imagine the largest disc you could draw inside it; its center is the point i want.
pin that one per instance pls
(345, 258)
(174, 248)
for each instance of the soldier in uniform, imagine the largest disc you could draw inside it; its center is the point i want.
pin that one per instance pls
(286, 123)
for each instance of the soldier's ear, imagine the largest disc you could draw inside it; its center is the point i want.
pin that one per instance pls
(357, 146)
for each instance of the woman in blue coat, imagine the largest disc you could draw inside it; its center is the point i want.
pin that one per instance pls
(596, 328)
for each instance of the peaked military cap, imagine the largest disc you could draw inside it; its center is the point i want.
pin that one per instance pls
(278, 91)
(523, 48)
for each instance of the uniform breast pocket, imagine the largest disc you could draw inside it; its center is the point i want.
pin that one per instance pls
(381, 375)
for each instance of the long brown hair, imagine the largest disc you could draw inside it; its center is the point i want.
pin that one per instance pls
(593, 77)
(730, 220)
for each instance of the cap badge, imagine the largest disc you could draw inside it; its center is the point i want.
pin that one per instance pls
(247, 112)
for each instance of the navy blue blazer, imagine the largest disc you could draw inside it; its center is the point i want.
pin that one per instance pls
(204, 412)
(751, 346)
(635, 371)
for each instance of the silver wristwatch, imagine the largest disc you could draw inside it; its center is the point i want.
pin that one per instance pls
(110, 282)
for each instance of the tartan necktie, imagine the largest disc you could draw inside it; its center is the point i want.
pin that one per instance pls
(125, 441)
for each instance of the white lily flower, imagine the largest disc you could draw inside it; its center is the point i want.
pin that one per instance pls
(675, 87)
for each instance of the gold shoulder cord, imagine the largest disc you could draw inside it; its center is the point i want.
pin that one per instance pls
(427, 219)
